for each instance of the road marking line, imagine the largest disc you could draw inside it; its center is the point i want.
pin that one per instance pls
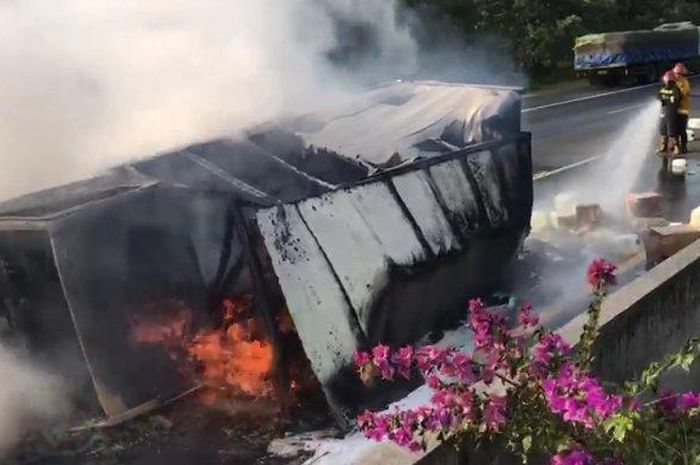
(591, 97)
(545, 174)
(588, 97)
(622, 110)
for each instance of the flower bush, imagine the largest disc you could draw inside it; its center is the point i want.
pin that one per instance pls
(527, 388)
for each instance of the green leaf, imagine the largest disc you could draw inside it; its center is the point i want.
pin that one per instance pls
(563, 445)
(619, 425)
(686, 361)
(527, 444)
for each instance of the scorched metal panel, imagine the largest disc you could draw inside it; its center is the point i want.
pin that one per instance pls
(315, 299)
(414, 189)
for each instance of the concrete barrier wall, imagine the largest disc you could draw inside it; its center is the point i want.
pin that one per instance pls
(648, 319)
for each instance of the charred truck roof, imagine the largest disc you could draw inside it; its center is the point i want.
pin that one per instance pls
(373, 222)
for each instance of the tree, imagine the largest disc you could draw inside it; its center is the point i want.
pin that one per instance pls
(541, 32)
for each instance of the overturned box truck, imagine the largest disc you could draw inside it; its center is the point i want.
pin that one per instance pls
(374, 222)
(643, 55)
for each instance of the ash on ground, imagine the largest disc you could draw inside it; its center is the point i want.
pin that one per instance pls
(237, 432)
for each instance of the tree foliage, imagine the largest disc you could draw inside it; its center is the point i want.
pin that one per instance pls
(541, 32)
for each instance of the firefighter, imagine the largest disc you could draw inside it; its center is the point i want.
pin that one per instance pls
(670, 97)
(684, 110)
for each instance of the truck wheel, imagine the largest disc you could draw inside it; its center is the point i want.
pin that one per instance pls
(644, 79)
(649, 77)
(612, 81)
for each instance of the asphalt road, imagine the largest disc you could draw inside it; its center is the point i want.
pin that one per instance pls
(571, 129)
(574, 126)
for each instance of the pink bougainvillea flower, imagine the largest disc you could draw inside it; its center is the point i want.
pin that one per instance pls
(464, 369)
(365, 420)
(689, 401)
(579, 398)
(668, 402)
(464, 404)
(570, 392)
(551, 349)
(480, 322)
(434, 382)
(458, 401)
(443, 398)
(673, 404)
(379, 428)
(404, 361)
(430, 358)
(423, 414)
(573, 457)
(526, 318)
(441, 420)
(362, 359)
(381, 358)
(381, 353)
(495, 413)
(476, 305)
(386, 371)
(601, 273)
(403, 436)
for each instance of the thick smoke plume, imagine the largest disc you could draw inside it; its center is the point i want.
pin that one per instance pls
(87, 84)
(30, 398)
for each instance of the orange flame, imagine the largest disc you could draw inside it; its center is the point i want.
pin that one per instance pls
(230, 358)
(237, 358)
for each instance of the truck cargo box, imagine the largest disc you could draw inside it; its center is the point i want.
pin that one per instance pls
(359, 250)
(637, 47)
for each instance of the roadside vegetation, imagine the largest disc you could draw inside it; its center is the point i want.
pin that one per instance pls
(526, 388)
(539, 34)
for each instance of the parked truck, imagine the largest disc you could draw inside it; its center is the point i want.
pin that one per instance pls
(612, 57)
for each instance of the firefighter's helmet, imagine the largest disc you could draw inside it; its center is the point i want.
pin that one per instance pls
(669, 76)
(680, 69)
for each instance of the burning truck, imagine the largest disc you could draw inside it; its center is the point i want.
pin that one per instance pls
(271, 259)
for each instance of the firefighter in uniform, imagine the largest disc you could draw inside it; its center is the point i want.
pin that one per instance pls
(670, 97)
(684, 110)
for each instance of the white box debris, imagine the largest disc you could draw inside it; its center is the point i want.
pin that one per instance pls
(565, 205)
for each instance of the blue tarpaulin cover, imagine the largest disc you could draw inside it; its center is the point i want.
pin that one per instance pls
(636, 47)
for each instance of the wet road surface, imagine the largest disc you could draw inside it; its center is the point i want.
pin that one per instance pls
(572, 126)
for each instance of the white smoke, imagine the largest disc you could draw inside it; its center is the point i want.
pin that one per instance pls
(29, 399)
(89, 84)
